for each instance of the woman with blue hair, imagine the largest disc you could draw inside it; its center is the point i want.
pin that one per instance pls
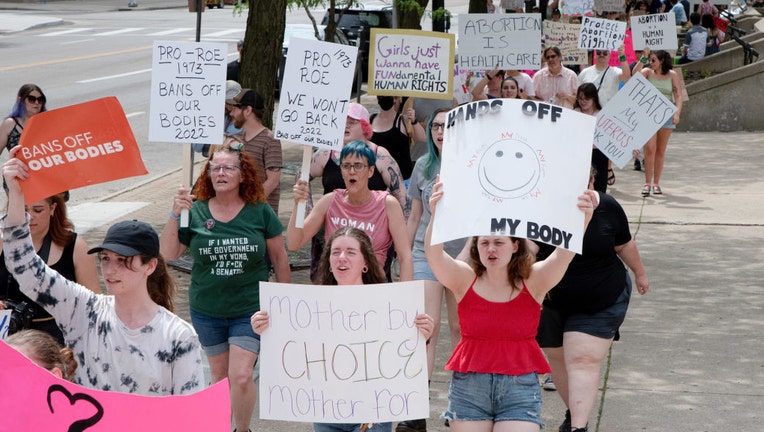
(30, 100)
(374, 212)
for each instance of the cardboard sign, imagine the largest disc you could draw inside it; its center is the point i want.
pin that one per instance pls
(576, 8)
(188, 92)
(343, 354)
(656, 31)
(500, 41)
(462, 91)
(5, 322)
(601, 34)
(315, 93)
(411, 63)
(514, 167)
(78, 145)
(610, 5)
(630, 118)
(564, 36)
(33, 399)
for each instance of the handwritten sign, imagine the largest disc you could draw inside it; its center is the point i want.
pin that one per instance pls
(576, 8)
(33, 399)
(187, 92)
(315, 93)
(610, 5)
(78, 145)
(601, 34)
(655, 31)
(564, 36)
(514, 167)
(628, 120)
(411, 63)
(343, 354)
(462, 91)
(503, 41)
(5, 322)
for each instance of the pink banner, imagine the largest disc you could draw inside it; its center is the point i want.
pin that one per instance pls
(34, 399)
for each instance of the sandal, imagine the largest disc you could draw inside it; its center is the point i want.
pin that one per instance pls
(646, 190)
(657, 190)
(610, 177)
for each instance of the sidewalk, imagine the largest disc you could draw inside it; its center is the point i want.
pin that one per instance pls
(689, 358)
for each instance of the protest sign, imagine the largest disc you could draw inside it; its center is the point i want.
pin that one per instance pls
(630, 118)
(565, 37)
(610, 5)
(655, 31)
(187, 92)
(514, 167)
(462, 92)
(500, 41)
(601, 34)
(343, 354)
(576, 8)
(411, 63)
(5, 322)
(78, 145)
(33, 399)
(315, 93)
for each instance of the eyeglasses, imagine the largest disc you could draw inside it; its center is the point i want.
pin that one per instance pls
(352, 122)
(358, 166)
(36, 99)
(225, 169)
(551, 57)
(436, 126)
(653, 60)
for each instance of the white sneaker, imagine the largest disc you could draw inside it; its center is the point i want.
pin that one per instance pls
(549, 384)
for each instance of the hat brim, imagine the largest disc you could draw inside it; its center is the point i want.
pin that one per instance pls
(117, 248)
(233, 101)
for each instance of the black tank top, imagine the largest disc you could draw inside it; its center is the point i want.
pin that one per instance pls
(332, 177)
(11, 291)
(14, 136)
(397, 143)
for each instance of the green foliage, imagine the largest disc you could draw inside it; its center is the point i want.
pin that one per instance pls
(240, 6)
(407, 6)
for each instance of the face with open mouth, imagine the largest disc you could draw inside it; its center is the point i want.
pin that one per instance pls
(495, 251)
(356, 172)
(346, 261)
(225, 171)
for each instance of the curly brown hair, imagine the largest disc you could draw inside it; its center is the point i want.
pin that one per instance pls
(46, 350)
(251, 187)
(519, 267)
(375, 273)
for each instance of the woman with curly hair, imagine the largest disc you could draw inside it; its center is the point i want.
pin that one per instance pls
(231, 226)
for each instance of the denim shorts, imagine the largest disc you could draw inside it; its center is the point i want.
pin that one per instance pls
(349, 427)
(495, 397)
(422, 271)
(669, 124)
(216, 334)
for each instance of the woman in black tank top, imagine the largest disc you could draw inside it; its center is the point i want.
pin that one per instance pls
(30, 100)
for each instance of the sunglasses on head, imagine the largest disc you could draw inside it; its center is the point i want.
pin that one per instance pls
(36, 99)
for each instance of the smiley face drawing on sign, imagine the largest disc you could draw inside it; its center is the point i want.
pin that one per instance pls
(509, 169)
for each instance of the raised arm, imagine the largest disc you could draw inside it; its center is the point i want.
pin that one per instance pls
(397, 226)
(297, 237)
(169, 245)
(625, 69)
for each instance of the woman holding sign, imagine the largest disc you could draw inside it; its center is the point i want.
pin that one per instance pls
(495, 366)
(660, 74)
(348, 259)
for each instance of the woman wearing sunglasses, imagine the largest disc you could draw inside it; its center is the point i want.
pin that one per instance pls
(231, 228)
(29, 101)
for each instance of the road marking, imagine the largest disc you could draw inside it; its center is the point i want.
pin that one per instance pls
(66, 32)
(91, 215)
(171, 31)
(119, 31)
(114, 76)
(85, 57)
(76, 41)
(221, 33)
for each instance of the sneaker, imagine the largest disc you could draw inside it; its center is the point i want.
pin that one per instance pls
(549, 384)
(565, 426)
(637, 165)
(419, 425)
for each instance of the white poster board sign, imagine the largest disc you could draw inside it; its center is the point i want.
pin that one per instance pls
(5, 322)
(462, 92)
(315, 93)
(630, 118)
(514, 167)
(343, 354)
(601, 34)
(565, 37)
(188, 92)
(500, 41)
(655, 31)
(577, 8)
(609, 5)
(411, 63)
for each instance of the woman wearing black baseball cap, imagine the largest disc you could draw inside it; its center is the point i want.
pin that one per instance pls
(130, 340)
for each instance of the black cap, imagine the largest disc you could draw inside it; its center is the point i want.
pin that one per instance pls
(247, 97)
(130, 238)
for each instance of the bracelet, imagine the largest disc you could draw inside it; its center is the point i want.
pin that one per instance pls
(415, 121)
(172, 216)
(643, 60)
(622, 58)
(488, 76)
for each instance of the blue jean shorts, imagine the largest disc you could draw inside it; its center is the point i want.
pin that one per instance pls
(422, 271)
(669, 123)
(345, 427)
(495, 397)
(216, 334)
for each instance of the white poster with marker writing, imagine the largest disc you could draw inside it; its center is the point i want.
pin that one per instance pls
(343, 354)
(514, 167)
(499, 41)
(654, 31)
(187, 92)
(601, 34)
(628, 120)
(315, 93)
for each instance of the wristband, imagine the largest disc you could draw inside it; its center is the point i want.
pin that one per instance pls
(172, 216)
(415, 121)
(489, 77)
(622, 58)
(643, 60)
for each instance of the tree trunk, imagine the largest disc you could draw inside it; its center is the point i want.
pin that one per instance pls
(477, 6)
(261, 54)
(410, 19)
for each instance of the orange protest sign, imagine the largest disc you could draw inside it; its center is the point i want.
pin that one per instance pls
(78, 145)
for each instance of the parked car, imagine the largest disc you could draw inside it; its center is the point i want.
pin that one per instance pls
(304, 31)
(219, 3)
(356, 24)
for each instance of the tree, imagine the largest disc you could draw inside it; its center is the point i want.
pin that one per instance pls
(336, 9)
(261, 54)
(477, 6)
